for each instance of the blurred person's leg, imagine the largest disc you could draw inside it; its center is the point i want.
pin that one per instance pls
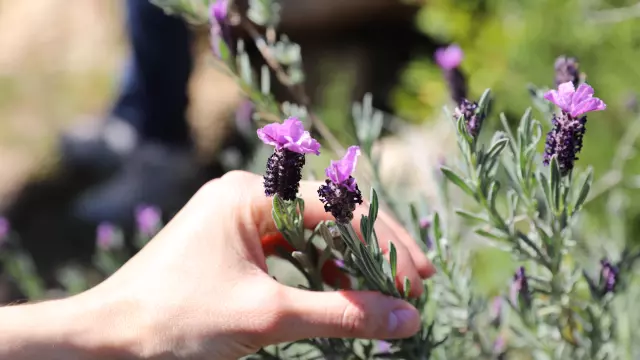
(158, 167)
(152, 102)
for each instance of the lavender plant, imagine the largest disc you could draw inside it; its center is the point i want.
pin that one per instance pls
(527, 204)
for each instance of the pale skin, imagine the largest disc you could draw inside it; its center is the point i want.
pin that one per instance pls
(200, 290)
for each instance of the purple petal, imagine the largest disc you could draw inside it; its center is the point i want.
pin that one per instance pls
(583, 101)
(450, 57)
(562, 97)
(270, 135)
(148, 219)
(340, 171)
(289, 135)
(218, 10)
(383, 347)
(105, 236)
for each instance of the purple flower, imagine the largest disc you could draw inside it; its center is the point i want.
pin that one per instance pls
(608, 276)
(218, 10)
(340, 193)
(520, 288)
(565, 139)
(340, 171)
(106, 236)
(383, 347)
(5, 229)
(499, 345)
(449, 57)
(567, 70)
(149, 219)
(284, 167)
(469, 110)
(339, 263)
(244, 113)
(425, 225)
(575, 102)
(219, 30)
(289, 135)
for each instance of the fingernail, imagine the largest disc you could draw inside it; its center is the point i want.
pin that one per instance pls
(398, 318)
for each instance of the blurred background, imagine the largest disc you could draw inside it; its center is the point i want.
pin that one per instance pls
(92, 128)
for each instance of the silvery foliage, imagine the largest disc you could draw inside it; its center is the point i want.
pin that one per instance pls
(514, 205)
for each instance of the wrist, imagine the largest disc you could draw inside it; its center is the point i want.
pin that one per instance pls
(73, 328)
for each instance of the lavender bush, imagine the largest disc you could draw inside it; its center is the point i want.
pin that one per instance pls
(568, 289)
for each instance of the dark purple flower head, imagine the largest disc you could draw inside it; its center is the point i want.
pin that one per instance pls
(284, 167)
(608, 276)
(449, 57)
(473, 119)
(106, 236)
(520, 288)
(148, 219)
(565, 139)
(340, 193)
(291, 136)
(567, 70)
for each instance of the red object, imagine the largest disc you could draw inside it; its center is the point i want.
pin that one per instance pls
(332, 275)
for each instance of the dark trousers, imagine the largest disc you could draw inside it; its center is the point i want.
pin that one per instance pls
(153, 94)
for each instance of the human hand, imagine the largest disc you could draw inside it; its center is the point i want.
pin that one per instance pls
(200, 288)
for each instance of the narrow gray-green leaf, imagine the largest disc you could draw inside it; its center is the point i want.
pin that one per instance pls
(393, 259)
(584, 191)
(457, 180)
(470, 216)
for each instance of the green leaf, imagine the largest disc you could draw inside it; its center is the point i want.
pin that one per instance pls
(406, 286)
(584, 191)
(437, 231)
(483, 103)
(461, 124)
(324, 231)
(512, 140)
(393, 259)
(373, 208)
(457, 180)
(555, 184)
(471, 216)
(490, 235)
(493, 193)
(497, 148)
(546, 189)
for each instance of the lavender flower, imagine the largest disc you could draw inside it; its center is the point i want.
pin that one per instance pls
(565, 139)
(106, 236)
(495, 311)
(608, 276)
(449, 59)
(284, 167)
(219, 30)
(425, 224)
(340, 193)
(520, 288)
(473, 119)
(567, 70)
(383, 347)
(148, 219)
(5, 229)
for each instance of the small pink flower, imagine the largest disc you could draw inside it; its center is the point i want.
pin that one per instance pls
(450, 57)
(289, 135)
(575, 102)
(340, 171)
(106, 236)
(148, 219)
(218, 10)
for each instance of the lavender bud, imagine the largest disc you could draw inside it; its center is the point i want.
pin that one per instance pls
(468, 109)
(425, 225)
(148, 219)
(520, 289)
(567, 70)
(608, 276)
(495, 312)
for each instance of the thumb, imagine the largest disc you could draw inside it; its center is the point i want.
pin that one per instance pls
(346, 314)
